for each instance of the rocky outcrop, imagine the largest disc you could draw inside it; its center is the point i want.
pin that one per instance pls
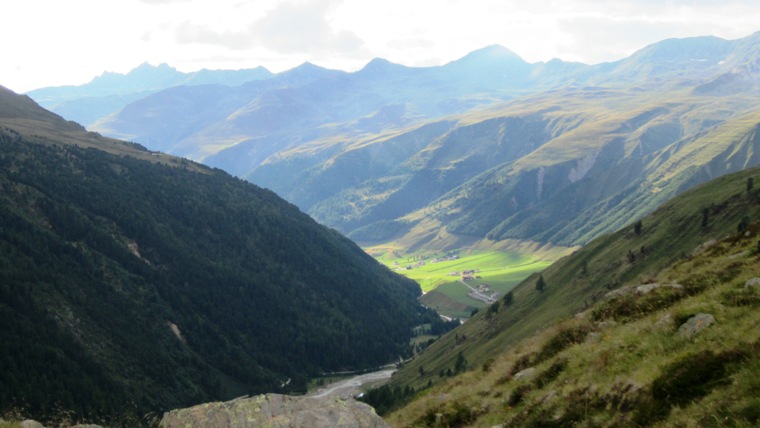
(274, 410)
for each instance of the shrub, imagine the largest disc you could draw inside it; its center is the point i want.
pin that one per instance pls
(627, 308)
(517, 394)
(741, 297)
(563, 339)
(551, 373)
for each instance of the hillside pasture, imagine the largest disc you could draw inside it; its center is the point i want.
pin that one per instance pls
(441, 275)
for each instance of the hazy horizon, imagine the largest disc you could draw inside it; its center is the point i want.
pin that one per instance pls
(70, 43)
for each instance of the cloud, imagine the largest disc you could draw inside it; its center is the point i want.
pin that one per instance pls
(617, 29)
(163, 1)
(303, 27)
(614, 38)
(188, 33)
(292, 27)
(411, 43)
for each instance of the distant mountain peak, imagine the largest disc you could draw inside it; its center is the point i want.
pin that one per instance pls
(381, 66)
(489, 56)
(378, 62)
(308, 70)
(495, 50)
(148, 66)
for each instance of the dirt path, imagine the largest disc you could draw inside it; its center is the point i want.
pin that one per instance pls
(352, 387)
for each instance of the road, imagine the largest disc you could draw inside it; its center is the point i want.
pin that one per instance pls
(477, 295)
(353, 386)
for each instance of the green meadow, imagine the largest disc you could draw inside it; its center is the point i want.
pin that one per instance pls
(445, 292)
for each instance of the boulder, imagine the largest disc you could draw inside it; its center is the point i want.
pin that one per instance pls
(695, 325)
(646, 288)
(30, 423)
(278, 411)
(638, 289)
(705, 246)
(525, 374)
(752, 282)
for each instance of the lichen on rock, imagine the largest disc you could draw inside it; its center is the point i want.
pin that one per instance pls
(275, 410)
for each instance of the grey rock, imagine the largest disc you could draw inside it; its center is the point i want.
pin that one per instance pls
(646, 288)
(30, 423)
(738, 255)
(752, 282)
(695, 325)
(705, 246)
(622, 291)
(525, 374)
(277, 411)
(638, 289)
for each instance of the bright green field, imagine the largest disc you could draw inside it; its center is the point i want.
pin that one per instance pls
(500, 270)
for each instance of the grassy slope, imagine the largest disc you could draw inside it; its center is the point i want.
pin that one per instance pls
(635, 371)
(642, 148)
(671, 232)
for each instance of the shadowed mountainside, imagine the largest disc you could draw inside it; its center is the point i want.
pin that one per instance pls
(134, 282)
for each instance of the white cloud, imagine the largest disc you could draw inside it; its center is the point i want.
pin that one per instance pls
(304, 27)
(291, 27)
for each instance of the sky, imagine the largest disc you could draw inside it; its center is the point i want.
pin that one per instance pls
(54, 42)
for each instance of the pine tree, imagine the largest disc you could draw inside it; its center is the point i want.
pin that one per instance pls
(540, 284)
(461, 363)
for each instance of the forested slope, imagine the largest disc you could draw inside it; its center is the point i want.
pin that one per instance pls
(129, 286)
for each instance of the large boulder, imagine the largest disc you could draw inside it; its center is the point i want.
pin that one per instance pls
(276, 410)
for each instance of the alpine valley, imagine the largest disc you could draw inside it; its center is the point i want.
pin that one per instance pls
(136, 280)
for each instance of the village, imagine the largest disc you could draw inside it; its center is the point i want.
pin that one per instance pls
(480, 291)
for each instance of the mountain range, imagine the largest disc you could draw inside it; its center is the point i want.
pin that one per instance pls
(487, 147)
(110, 92)
(133, 282)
